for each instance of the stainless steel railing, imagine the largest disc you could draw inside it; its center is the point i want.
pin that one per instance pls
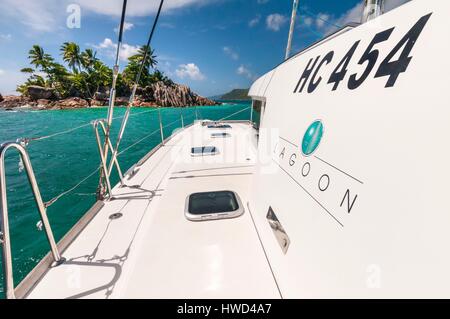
(105, 168)
(106, 165)
(4, 230)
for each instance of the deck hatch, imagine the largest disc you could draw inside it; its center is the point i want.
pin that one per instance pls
(219, 135)
(204, 151)
(220, 126)
(213, 205)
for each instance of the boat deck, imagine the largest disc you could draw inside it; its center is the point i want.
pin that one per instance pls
(152, 250)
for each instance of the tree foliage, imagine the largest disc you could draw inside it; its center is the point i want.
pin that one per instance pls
(85, 74)
(135, 65)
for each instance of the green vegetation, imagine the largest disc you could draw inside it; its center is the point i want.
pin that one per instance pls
(85, 74)
(236, 94)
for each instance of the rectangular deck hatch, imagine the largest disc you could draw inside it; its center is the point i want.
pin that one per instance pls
(220, 135)
(204, 151)
(219, 126)
(213, 205)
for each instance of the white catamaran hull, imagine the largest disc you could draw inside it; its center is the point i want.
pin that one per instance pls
(367, 213)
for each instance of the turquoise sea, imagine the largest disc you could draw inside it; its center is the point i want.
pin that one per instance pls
(62, 161)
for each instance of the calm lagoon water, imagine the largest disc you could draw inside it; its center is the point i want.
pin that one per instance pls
(62, 161)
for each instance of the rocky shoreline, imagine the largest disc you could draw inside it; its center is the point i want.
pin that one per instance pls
(154, 95)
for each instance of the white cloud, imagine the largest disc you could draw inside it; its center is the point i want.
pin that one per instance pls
(137, 7)
(308, 21)
(190, 71)
(37, 15)
(253, 22)
(2, 72)
(217, 26)
(167, 25)
(5, 36)
(128, 50)
(108, 47)
(107, 43)
(321, 20)
(231, 53)
(352, 15)
(126, 27)
(275, 21)
(49, 15)
(242, 70)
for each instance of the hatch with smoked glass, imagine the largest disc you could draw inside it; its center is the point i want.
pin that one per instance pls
(204, 151)
(218, 125)
(213, 205)
(220, 135)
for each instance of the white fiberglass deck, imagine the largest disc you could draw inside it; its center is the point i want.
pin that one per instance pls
(153, 251)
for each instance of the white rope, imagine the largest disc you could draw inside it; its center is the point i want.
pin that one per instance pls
(139, 141)
(144, 138)
(40, 138)
(55, 199)
(227, 117)
(139, 113)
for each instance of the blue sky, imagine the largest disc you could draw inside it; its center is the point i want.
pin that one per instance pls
(211, 45)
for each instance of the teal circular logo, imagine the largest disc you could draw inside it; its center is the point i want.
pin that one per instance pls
(312, 138)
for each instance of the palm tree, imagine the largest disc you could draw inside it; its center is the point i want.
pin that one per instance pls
(36, 55)
(27, 70)
(41, 61)
(39, 58)
(102, 75)
(150, 60)
(134, 65)
(72, 56)
(75, 59)
(88, 59)
(58, 78)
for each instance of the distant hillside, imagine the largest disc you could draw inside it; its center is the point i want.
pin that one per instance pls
(236, 94)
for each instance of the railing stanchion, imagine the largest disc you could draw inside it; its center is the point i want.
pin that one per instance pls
(5, 236)
(181, 116)
(106, 171)
(161, 126)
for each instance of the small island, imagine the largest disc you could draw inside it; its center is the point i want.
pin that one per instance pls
(236, 95)
(85, 81)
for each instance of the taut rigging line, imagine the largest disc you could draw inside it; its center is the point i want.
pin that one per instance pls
(133, 93)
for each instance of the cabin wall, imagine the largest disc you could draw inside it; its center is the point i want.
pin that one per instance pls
(368, 212)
